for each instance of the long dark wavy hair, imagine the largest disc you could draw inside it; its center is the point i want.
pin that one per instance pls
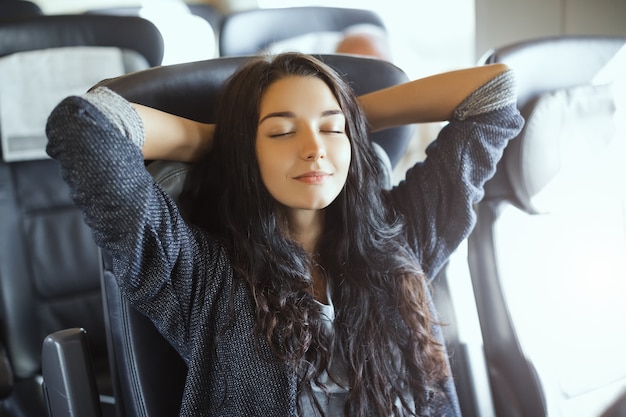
(383, 328)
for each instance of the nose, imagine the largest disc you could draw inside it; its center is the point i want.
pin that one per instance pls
(312, 146)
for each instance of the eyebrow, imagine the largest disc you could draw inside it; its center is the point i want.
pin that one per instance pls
(289, 114)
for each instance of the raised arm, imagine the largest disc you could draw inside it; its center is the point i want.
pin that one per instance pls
(172, 137)
(438, 195)
(429, 99)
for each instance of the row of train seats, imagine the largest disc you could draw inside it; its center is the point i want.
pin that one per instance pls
(50, 269)
(545, 275)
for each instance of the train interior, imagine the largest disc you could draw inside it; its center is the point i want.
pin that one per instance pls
(533, 302)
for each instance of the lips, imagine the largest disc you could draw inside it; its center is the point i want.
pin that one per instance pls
(313, 177)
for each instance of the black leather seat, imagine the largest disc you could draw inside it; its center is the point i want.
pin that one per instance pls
(49, 265)
(548, 254)
(149, 375)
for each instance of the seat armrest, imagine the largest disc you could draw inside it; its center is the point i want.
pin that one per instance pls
(69, 382)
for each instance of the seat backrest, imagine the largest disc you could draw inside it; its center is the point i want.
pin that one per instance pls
(49, 264)
(12, 9)
(548, 254)
(277, 24)
(147, 368)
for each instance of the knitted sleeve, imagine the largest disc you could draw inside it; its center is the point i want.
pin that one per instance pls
(119, 112)
(497, 93)
(160, 262)
(437, 196)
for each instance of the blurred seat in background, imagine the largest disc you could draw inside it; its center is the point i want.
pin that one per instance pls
(189, 30)
(49, 264)
(548, 254)
(14, 9)
(273, 25)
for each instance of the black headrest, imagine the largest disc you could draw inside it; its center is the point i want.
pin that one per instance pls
(272, 25)
(190, 89)
(54, 31)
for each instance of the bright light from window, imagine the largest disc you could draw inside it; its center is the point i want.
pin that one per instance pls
(186, 37)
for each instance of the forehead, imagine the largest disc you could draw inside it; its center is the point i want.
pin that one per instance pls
(295, 92)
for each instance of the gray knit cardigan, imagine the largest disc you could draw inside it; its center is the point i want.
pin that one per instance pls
(182, 279)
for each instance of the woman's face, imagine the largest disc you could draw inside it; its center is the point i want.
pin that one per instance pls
(301, 145)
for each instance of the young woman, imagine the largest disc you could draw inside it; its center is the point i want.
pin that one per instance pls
(296, 285)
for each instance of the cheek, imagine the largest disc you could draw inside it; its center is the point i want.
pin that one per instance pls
(271, 165)
(343, 156)
(262, 158)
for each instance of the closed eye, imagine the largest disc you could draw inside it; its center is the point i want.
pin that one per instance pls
(334, 122)
(280, 134)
